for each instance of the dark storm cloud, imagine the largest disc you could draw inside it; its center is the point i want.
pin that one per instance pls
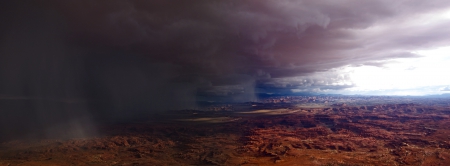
(321, 82)
(214, 40)
(41, 78)
(123, 57)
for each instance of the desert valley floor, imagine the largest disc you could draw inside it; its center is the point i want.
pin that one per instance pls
(277, 131)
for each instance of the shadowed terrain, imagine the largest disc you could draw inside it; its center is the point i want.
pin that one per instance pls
(295, 131)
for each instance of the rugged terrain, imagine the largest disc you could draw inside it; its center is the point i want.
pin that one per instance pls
(265, 133)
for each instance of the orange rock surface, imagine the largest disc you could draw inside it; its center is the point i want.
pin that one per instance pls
(392, 134)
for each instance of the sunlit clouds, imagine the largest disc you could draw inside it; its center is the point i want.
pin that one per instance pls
(425, 71)
(413, 76)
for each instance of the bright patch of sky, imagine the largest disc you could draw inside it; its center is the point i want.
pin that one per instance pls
(425, 75)
(429, 74)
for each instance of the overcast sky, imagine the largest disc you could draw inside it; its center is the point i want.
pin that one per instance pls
(233, 48)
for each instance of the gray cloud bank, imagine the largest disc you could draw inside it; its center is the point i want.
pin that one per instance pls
(220, 43)
(125, 58)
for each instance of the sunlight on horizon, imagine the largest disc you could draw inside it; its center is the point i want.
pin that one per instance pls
(414, 76)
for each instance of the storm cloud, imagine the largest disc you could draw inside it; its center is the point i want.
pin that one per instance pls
(231, 42)
(124, 58)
